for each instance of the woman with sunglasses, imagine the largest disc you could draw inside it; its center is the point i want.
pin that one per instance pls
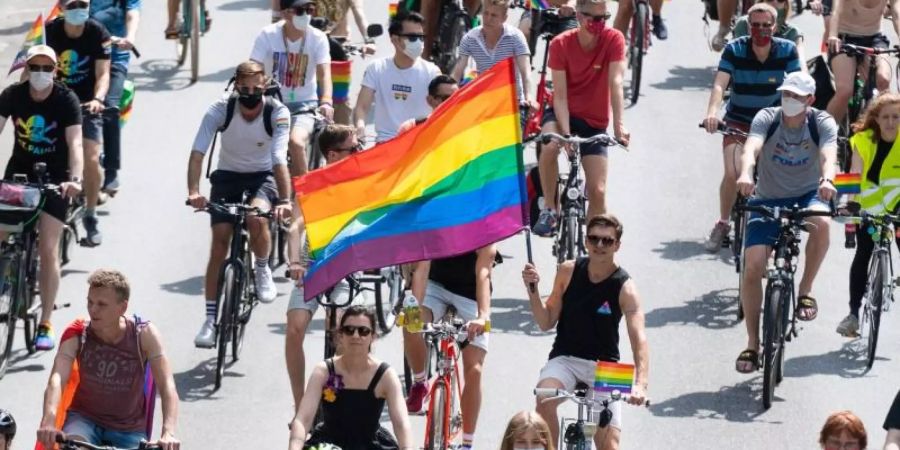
(783, 29)
(352, 389)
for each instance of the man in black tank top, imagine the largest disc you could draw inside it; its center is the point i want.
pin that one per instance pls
(589, 298)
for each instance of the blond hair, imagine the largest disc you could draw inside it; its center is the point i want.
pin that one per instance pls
(522, 422)
(113, 279)
(766, 8)
(585, 3)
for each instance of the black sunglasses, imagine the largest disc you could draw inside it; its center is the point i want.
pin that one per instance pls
(600, 18)
(760, 25)
(249, 90)
(41, 67)
(441, 98)
(76, 5)
(413, 37)
(595, 240)
(305, 9)
(349, 330)
(352, 149)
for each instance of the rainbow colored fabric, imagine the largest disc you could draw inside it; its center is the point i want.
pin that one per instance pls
(613, 377)
(468, 76)
(848, 183)
(540, 4)
(392, 10)
(449, 186)
(340, 81)
(126, 103)
(34, 37)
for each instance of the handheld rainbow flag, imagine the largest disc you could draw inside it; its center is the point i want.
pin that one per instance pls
(613, 377)
(540, 4)
(448, 186)
(392, 9)
(34, 37)
(468, 76)
(54, 13)
(848, 183)
(340, 81)
(126, 103)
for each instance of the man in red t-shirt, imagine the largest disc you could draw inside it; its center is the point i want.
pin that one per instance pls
(588, 64)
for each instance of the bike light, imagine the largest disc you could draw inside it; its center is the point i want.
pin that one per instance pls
(573, 194)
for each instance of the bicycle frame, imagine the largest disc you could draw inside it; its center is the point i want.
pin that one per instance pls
(544, 95)
(447, 377)
(572, 202)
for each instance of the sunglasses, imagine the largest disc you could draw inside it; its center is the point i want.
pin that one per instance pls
(600, 18)
(350, 330)
(76, 5)
(441, 98)
(760, 25)
(352, 149)
(41, 68)
(249, 90)
(413, 37)
(305, 9)
(596, 240)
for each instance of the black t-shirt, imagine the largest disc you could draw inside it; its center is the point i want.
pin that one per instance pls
(40, 128)
(78, 56)
(893, 418)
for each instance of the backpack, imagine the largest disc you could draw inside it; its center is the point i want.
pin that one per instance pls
(810, 123)
(271, 91)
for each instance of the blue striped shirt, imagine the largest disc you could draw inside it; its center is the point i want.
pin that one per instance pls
(754, 84)
(511, 44)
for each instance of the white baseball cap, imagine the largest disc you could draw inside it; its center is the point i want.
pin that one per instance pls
(41, 50)
(799, 83)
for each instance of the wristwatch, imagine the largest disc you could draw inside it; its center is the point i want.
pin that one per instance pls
(283, 201)
(75, 180)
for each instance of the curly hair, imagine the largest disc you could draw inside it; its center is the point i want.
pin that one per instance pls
(840, 422)
(113, 279)
(868, 120)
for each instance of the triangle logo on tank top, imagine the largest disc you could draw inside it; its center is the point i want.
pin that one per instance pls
(604, 309)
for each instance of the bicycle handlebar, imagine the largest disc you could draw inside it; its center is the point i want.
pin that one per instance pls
(791, 213)
(234, 209)
(74, 444)
(603, 138)
(554, 394)
(723, 129)
(856, 50)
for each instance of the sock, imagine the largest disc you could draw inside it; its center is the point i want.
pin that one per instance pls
(211, 310)
(262, 262)
(467, 440)
(89, 212)
(419, 377)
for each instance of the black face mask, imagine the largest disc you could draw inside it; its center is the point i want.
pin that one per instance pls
(250, 100)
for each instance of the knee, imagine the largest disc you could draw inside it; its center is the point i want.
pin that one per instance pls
(295, 330)
(549, 152)
(843, 88)
(473, 372)
(753, 268)
(219, 249)
(597, 191)
(258, 225)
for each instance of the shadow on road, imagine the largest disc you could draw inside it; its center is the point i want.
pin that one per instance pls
(197, 383)
(241, 5)
(847, 362)
(190, 286)
(688, 78)
(16, 30)
(18, 357)
(680, 250)
(164, 75)
(738, 403)
(513, 315)
(314, 325)
(714, 310)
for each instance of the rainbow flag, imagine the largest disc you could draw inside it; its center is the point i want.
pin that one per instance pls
(613, 377)
(34, 37)
(540, 4)
(848, 183)
(468, 76)
(392, 9)
(54, 13)
(340, 81)
(126, 103)
(448, 186)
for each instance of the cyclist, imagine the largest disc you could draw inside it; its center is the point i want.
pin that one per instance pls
(588, 65)
(242, 167)
(892, 426)
(352, 390)
(794, 168)
(859, 23)
(843, 430)
(726, 10)
(626, 11)
(756, 66)
(111, 351)
(565, 9)
(83, 48)
(46, 118)
(431, 10)
(336, 143)
(397, 85)
(527, 430)
(297, 56)
(121, 18)
(7, 429)
(877, 159)
(462, 282)
(172, 30)
(783, 30)
(589, 298)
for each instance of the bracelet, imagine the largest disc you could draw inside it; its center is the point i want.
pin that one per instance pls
(323, 103)
(283, 201)
(99, 100)
(296, 262)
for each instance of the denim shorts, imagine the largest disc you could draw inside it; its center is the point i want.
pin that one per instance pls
(92, 127)
(763, 230)
(79, 425)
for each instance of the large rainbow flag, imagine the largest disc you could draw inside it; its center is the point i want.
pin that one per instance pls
(448, 186)
(613, 377)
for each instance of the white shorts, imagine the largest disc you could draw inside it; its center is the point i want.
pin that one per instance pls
(437, 299)
(569, 370)
(337, 295)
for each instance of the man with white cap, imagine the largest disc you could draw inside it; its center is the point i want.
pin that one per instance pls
(46, 119)
(796, 148)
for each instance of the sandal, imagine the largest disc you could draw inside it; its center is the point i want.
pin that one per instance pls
(807, 308)
(172, 33)
(747, 361)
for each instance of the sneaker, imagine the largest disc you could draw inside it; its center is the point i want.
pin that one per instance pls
(206, 337)
(659, 28)
(94, 237)
(265, 285)
(111, 182)
(546, 223)
(720, 39)
(717, 236)
(45, 339)
(849, 327)
(416, 398)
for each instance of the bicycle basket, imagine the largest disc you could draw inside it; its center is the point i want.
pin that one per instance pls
(18, 206)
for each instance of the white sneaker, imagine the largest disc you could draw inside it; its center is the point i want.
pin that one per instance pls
(720, 39)
(206, 337)
(265, 285)
(849, 327)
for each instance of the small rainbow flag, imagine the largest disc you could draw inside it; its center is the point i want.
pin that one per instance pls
(468, 76)
(613, 377)
(848, 183)
(392, 9)
(340, 81)
(34, 37)
(126, 103)
(540, 4)
(54, 13)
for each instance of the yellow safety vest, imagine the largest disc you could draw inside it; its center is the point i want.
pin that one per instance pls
(884, 196)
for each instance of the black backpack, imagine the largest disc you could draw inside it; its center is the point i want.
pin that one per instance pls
(272, 91)
(810, 123)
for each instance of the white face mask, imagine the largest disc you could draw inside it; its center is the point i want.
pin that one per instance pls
(76, 17)
(40, 80)
(414, 49)
(792, 107)
(300, 22)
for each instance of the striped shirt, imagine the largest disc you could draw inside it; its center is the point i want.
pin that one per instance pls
(511, 44)
(754, 84)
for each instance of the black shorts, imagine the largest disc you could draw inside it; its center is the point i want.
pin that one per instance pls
(580, 128)
(877, 40)
(229, 187)
(55, 204)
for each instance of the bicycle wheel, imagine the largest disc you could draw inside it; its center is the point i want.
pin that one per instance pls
(451, 33)
(224, 330)
(874, 305)
(388, 298)
(65, 245)
(436, 429)
(241, 313)
(7, 311)
(27, 292)
(772, 341)
(571, 237)
(636, 47)
(273, 243)
(195, 38)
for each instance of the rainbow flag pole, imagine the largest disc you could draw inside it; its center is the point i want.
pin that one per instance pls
(848, 183)
(611, 377)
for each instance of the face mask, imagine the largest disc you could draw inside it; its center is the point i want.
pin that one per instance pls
(250, 100)
(596, 27)
(761, 37)
(792, 107)
(300, 22)
(40, 80)
(76, 17)
(528, 448)
(414, 49)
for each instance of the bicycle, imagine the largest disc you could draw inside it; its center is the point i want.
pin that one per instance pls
(880, 285)
(780, 302)
(71, 444)
(864, 91)
(568, 243)
(194, 23)
(545, 27)
(638, 44)
(236, 291)
(579, 433)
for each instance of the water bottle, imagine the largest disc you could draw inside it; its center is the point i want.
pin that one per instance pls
(412, 320)
(849, 235)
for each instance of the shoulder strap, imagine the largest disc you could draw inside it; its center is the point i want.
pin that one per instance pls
(139, 326)
(268, 110)
(229, 113)
(813, 125)
(773, 126)
(375, 379)
(330, 364)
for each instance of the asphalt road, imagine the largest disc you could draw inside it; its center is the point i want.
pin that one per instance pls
(664, 190)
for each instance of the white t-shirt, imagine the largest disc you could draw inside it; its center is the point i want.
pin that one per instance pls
(400, 95)
(293, 69)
